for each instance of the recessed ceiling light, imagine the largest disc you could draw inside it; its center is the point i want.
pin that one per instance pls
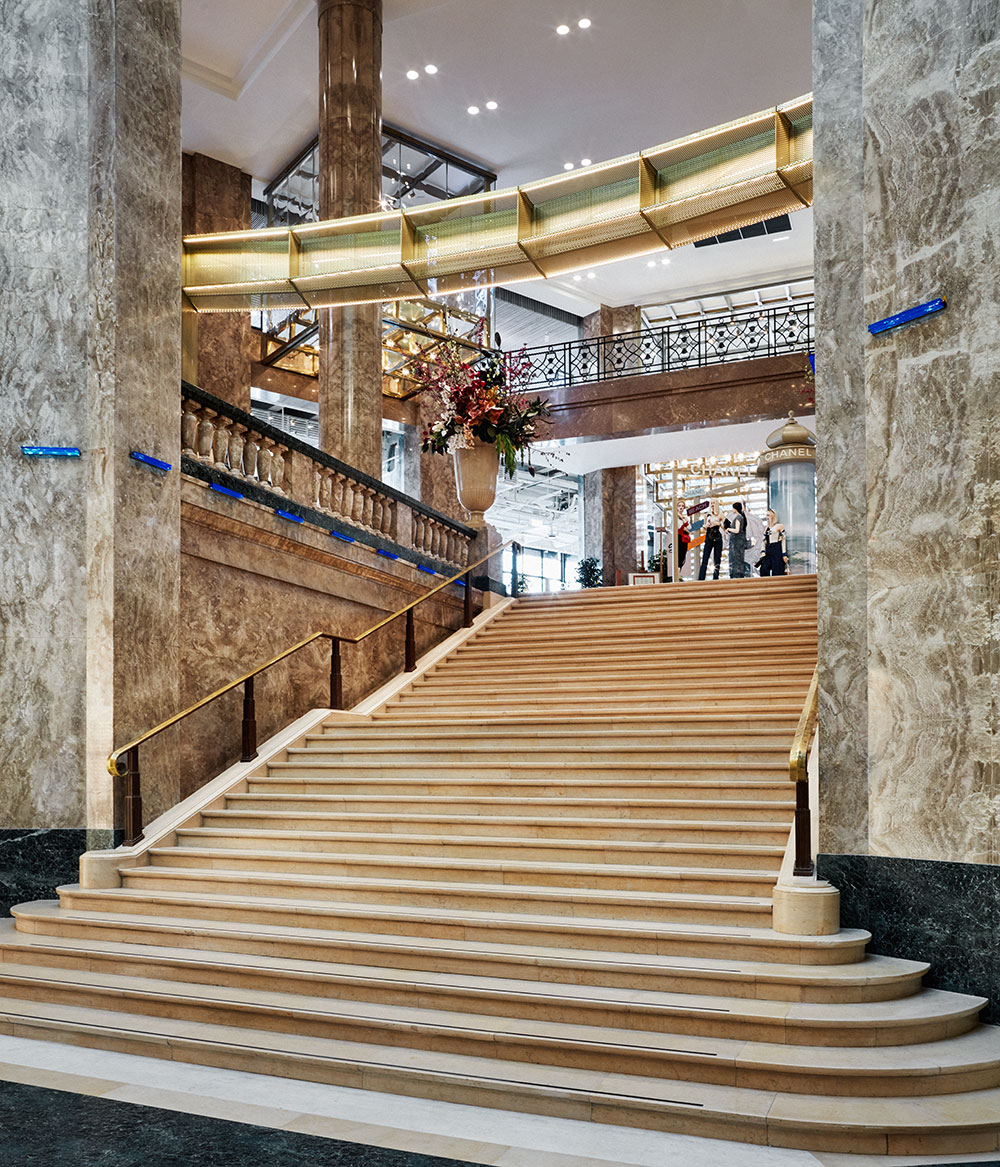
(491, 105)
(563, 29)
(592, 275)
(568, 166)
(780, 238)
(578, 277)
(412, 74)
(651, 263)
(473, 109)
(584, 22)
(432, 69)
(584, 161)
(665, 260)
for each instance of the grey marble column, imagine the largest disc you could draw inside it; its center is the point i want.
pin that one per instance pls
(908, 209)
(350, 183)
(89, 357)
(618, 522)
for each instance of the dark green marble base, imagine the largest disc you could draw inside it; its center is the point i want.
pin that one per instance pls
(48, 1127)
(34, 862)
(947, 914)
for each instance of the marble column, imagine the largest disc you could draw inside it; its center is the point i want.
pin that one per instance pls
(608, 321)
(217, 198)
(618, 522)
(908, 208)
(90, 348)
(350, 183)
(592, 497)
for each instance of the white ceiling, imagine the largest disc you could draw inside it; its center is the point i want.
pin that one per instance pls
(645, 72)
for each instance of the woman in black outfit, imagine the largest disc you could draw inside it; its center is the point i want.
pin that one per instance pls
(713, 541)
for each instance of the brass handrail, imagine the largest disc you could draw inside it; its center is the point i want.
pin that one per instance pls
(798, 762)
(132, 799)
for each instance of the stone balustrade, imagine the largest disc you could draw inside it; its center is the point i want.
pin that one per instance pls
(219, 435)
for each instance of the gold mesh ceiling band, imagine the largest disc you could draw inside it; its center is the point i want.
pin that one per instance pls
(718, 180)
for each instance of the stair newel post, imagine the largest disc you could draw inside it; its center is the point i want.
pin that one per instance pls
(411, 643)
(133, 799)
(803, 830)
(336, 677)
(467, 614)
(514, 548)
(249, 723)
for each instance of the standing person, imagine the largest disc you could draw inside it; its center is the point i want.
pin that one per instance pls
(683, 539)
(738, 542)
(775, 548)
(713, 541)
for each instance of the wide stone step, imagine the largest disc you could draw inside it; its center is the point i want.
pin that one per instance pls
(508, 926)
(331, 1000)
(248, 811)
(968, 1060)
(448, 845)
(873, 978)
(513, 872)
(416, 893)
(637, 755)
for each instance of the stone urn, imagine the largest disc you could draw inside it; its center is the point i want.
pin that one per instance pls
(476, 472)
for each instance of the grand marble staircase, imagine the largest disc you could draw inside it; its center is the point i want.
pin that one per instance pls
(538, 878)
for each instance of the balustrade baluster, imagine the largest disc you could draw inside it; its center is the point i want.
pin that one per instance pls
(237, 441)
(250, 451)
(342, 497)
(324, 488)
(366, 518)
(358, 503)
(278, 467)
(390, 517)
(220, 442)
(264, 459)
(206, 434)
(375, 521)
(189, 427)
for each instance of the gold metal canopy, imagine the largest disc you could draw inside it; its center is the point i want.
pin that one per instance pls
(720, 179)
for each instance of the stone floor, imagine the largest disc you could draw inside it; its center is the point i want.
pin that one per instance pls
(83, 1108)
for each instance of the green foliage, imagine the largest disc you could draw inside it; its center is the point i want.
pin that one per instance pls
(588, 573)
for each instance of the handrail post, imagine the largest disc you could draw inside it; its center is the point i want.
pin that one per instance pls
(249, 751)
(336, 678)
(133, 799)
(467, 613)
(803, 831)
(411, 643)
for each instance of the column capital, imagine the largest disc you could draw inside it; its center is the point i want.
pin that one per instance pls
(373, 7)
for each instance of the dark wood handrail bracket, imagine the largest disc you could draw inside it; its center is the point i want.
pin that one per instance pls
(129, 768)
(798, 765)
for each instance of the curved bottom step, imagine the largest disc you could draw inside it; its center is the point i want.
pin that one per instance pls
(931, 1124)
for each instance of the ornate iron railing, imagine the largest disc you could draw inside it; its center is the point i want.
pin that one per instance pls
(741, 336)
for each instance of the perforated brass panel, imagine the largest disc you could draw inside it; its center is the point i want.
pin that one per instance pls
(727, 177)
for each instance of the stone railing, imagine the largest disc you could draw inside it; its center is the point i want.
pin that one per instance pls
(219, 435)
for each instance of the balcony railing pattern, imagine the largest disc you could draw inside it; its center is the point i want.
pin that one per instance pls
(738, 337)
(219, 435)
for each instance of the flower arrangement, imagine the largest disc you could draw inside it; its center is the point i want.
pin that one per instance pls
(481, 399)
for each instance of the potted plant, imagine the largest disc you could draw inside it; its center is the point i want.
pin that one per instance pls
(485, 419)
(588, 573)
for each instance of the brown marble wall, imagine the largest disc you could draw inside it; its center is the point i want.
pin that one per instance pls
(90, 174)
(251, 586)
(739, 392)
(910, 426)
(216, 197)
(608, 321)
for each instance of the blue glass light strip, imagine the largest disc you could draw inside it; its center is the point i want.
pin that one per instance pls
(225, 490)
(386, 554)
(460, 582)
(812, 362)
(289, 516)
(429, 570)
(148, 460)
(907, 315)
(343, 538)
(50, 451)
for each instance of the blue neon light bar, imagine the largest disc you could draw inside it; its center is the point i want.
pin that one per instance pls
(50, 451)
(387, 554)
(907, 315)
(147, 460)
(289, 516)
(225, 490)
(429, 570)
(460, 582)
(812, 362)
(343, 538)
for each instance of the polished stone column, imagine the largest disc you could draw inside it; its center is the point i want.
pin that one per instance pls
(618, 522)
(90, 197)
(350, 178)
(217, 198)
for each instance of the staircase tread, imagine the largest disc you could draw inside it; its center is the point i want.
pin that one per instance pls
(929, 1005)
(497, 890)
(293, 799)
